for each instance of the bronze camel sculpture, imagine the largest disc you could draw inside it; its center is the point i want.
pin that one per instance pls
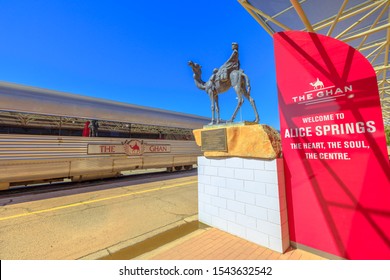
(228, 75)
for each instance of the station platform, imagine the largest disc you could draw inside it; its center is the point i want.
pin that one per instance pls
(213, 244)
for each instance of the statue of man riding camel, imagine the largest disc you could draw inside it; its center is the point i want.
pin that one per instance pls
(228, 75)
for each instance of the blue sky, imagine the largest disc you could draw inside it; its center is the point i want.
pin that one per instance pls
(137, 51)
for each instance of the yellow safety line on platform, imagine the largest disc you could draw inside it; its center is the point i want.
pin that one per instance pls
(96, 200)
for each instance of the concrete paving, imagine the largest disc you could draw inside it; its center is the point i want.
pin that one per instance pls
(151, 221)
(95, 224)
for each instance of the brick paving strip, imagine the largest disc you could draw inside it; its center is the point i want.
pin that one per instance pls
(214, 244)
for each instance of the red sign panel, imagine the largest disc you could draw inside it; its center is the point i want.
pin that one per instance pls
(336, 162)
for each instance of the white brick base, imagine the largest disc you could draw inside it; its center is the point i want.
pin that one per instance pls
(244, 197)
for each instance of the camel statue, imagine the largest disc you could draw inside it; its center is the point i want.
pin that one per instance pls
(228, 75)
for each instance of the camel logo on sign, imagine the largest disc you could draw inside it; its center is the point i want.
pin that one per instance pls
(317, 84)
(322, 94)
(133, 147)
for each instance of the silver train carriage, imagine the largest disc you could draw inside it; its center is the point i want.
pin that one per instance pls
(41, 137)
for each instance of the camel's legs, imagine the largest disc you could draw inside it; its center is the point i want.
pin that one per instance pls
(212, 108)
(217, 108)
(239, 104)
(253, 104)
(241, 85)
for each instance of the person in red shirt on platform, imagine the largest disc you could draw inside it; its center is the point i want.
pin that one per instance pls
(86, 129)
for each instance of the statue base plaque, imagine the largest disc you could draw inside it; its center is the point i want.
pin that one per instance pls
(239, 140)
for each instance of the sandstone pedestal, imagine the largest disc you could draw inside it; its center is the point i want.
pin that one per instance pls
(241, 190)
(248, 141)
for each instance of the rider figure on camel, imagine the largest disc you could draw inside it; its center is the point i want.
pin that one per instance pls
(231, 64)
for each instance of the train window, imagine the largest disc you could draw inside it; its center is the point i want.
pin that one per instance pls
(25, 123)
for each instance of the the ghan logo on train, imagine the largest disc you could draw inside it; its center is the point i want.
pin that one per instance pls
(133, 147)
(107, 149)
(320, 93)
(158, 149)
(129, 147)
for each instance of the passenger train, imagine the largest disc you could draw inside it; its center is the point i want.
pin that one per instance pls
(45, 137)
